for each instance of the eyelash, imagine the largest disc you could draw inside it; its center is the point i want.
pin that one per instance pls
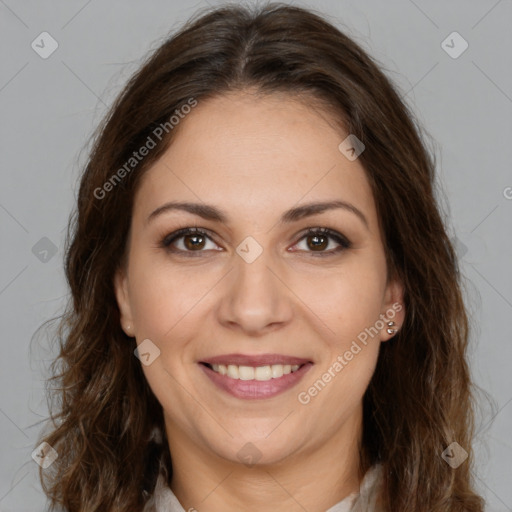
(343, 242)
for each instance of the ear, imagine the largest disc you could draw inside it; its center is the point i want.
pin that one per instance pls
(393, 308)
(123, 301)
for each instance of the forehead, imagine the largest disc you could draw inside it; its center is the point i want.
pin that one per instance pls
(256, 156)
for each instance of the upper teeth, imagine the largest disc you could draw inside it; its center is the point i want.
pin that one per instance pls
(259, 373)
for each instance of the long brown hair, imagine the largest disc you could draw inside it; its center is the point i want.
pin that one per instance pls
(420, 398)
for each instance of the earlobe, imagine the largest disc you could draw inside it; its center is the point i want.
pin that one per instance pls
(391, 327)
(123, 302)
(393, 310)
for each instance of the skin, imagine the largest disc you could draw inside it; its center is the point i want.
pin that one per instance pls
(255, 157)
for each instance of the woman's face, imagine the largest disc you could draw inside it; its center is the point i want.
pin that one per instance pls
(253, 288)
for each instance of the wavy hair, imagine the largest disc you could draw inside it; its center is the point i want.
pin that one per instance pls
(107, 426)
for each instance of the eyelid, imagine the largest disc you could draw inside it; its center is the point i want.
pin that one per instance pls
(170, 237)
(342, 241)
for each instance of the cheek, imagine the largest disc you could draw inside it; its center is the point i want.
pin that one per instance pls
(347, 298)
(162, 295)
(348, 302)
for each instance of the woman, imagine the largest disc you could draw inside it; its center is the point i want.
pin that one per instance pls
(266, 310)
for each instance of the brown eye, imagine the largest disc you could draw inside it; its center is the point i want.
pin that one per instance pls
(189, 240)
(317, 242)
(322, 242)
(194, 242)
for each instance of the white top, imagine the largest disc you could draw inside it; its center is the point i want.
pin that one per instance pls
(164, 500)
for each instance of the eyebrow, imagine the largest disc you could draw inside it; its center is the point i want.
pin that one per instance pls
(210, 212)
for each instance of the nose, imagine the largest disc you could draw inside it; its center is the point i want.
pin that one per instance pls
(255, 300)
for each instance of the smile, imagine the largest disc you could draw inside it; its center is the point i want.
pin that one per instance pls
(261, 373)
(254, 382)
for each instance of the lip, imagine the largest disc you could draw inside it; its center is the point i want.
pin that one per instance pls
(255, 360)
(256, 389)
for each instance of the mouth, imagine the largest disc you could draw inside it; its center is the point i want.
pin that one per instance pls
(259, 373)
(253, 377)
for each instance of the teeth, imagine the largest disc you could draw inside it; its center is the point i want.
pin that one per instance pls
(233, 371)
(255, 373)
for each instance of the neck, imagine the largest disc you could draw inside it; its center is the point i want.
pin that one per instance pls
(313, 478)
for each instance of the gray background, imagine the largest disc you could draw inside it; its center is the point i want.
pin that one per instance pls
(49, 108)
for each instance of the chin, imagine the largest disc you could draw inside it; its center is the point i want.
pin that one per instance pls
(253, 452)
